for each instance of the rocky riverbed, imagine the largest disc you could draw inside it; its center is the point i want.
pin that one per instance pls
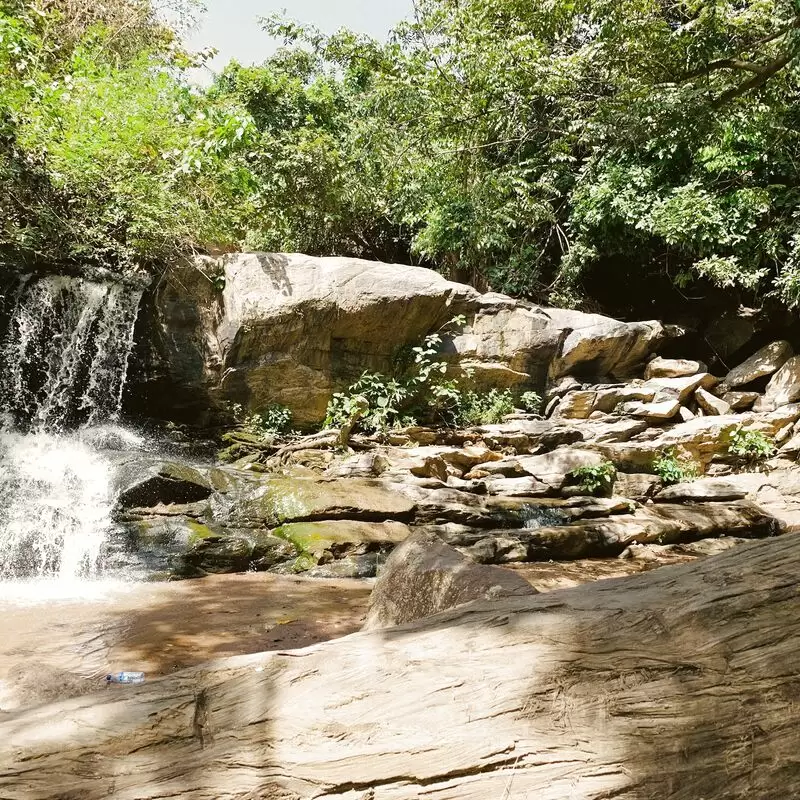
(66, 647)
(286, 536)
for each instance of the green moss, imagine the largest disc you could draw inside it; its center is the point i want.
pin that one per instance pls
(304, 562)
(199, 532)
(288, 499)
(307, 537)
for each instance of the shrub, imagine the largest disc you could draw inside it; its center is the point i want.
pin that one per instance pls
(384, 398)
(750, 447)
(595, 478)
(672, 468)
(270, 421)
(531, 402)
(485, 409)
(420, 381)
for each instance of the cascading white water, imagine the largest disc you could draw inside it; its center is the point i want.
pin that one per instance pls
(65, 352)
(55, 494)
(63, 361)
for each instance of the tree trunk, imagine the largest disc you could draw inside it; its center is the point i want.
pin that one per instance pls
(680, 683)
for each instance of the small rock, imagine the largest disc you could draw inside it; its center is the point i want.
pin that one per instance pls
(576, 405)
(218, 554)
(168, 483)
(784, 434)
(767, 360)
(551, 407)
(269, 550)
(792, 447)
(618, 430)
(657, 412)
(470, 456)
(783, 387)
(364, 465)
(636, 485)
(740, 401)
(508, 468)
(424, 576)
(672, 368)
(702, 490)
(432, 467)
(608, 399)
(682, 388)
(552, 468)
(517, 487)
(561, 387)
(684, 414)
(713, 406)
(474, 486)
(355, 566)
(496, 550)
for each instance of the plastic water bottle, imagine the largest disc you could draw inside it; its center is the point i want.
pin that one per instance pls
(125, 677)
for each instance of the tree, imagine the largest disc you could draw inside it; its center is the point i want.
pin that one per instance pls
(530, 144)
(106, 156)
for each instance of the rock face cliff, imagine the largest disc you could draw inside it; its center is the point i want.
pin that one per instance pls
(263, 328)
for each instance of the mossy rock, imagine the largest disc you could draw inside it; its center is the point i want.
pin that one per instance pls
(200, 532)
(169, 483)
(270, 550)
(304, 562)
(217, 554)
(341, 536)
(307, 499)
(245, 438)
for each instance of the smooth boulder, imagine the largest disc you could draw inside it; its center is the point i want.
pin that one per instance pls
(679, 683)
(164, 483)
(424, 576)
(672, 368)
(783, 387)
(290, 329)
(767, 360)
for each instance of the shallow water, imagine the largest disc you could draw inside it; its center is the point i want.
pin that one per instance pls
(57, 646)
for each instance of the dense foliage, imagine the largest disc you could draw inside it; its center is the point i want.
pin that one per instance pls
(528, 146)
(106, 157)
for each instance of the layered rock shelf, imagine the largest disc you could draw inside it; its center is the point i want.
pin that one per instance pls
(502, 493)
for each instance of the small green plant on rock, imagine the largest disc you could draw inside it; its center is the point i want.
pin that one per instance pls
(750, 447)
(485, 409)
(531, 402)
(270, 421)
(384, 398)
(421, 389)
(595, 479)
(419, 383)
(672, 468)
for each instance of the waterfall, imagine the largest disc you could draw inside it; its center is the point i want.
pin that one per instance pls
(65, 352)
(63, 359)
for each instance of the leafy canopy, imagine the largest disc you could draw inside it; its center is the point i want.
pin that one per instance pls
(540, 148)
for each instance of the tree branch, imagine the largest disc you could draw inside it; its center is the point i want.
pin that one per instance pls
(757, 81)
(724, 63)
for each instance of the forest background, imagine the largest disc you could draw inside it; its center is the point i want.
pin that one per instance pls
(559, 150)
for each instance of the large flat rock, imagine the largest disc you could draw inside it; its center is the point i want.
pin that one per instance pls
(280, 500)
(291, 329)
